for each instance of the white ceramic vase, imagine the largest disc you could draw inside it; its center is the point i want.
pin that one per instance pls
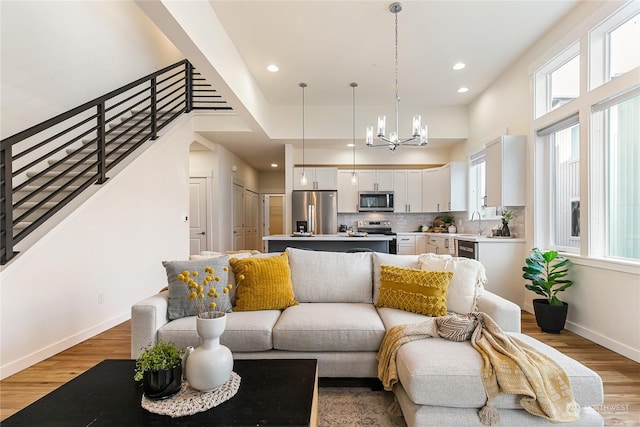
(210, 365)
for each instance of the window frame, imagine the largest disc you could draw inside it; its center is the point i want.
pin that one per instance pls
(592, 168)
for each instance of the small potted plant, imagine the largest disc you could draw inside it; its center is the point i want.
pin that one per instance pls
(159, 367)
(507, 216)
(547, 272)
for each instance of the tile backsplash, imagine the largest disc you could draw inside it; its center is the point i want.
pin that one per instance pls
(407, 222)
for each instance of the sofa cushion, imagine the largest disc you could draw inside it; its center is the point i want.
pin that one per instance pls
(436, 371)
(329, 327)
(245, 331)
(409, 289)
(408, 261)
(262, 283)
(467, 283)
(179, 304)
(320, 276)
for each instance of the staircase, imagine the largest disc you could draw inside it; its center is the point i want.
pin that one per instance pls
(45, 167)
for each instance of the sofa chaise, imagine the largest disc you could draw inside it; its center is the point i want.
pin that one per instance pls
(337, 322)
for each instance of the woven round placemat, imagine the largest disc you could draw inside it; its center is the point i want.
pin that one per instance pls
(189, 401)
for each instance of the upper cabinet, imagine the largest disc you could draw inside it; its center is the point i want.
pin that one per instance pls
(432, 190)
(453, 178)
(444, 189)
(407, 190)
(317, 178)
(375, 180)
(347, 192)
(505, 171)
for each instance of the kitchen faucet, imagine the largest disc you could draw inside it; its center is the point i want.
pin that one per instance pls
(479, 220)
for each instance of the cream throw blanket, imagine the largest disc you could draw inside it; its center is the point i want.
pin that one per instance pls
(510, 366)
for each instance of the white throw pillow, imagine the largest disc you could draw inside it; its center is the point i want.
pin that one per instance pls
(320, 276)
(467, 283)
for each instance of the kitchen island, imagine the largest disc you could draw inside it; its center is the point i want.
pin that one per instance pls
(340, 242)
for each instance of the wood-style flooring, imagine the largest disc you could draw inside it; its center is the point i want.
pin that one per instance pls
(621, 376)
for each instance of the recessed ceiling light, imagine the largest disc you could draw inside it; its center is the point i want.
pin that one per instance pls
(274, 165)
(351, 144)
(273, 68)
(459, 66)
(463, 89)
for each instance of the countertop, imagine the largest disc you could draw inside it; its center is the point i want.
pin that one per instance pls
(470, 237)
(330, 237)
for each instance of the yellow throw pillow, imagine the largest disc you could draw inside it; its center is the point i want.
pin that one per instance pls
(263, 283)
(418, 291)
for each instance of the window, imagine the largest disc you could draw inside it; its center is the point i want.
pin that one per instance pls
(616, 121)
(558, 81)
(562, 144)
(615, 45)
(477, 185)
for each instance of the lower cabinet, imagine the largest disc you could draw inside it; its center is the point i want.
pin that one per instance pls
(406, 244)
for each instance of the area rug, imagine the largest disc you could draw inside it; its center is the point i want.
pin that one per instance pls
(356, 406)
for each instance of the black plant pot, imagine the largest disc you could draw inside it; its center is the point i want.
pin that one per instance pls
(550, 318)
(163, 383)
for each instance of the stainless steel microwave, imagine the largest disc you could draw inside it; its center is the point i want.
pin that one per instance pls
(375, 201)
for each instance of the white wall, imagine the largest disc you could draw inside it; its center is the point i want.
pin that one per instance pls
(604, 300)
(56, 55)
(114, 243)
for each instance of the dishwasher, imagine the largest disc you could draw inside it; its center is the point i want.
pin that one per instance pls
(467, 249)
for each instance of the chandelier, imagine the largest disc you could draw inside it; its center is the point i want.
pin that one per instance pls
(419, 133)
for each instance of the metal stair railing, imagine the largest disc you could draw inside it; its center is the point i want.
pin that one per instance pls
(45, 167)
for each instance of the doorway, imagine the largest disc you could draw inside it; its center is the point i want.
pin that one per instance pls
(198, 214)
(273, 215)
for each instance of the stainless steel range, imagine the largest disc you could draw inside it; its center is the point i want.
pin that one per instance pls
(380, 227)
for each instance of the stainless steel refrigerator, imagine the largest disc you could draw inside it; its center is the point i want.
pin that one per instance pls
(315, 211)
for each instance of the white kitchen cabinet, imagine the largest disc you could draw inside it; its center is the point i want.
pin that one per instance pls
(421, 244)
(317, 178)
(375, 180)
(347, 193)
(406, 244)
(407, 190)
(503, 261)
(432, 190)
(453, 178)
(440, 245)
(505, 171)
(444, 189)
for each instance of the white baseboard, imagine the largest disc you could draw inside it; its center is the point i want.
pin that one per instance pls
(597, 338)
(55, 348)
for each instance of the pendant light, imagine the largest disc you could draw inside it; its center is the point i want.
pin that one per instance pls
(419, 133)
(354, 177)
(303, 178)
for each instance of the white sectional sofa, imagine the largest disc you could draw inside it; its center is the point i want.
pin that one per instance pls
(338, 324)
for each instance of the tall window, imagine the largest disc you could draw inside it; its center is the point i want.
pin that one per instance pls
(477, 186)
(563, 151)
(619, 127)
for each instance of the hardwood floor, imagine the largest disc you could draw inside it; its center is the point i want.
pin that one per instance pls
(621, 376)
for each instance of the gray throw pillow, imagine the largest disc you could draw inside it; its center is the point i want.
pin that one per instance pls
(179, 304)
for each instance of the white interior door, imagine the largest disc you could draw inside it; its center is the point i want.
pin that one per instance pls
(238, 217)
(197, 215)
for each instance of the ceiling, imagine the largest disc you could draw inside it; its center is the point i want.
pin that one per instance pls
(328, 44)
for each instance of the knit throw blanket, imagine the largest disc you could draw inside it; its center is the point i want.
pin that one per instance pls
(510, 366)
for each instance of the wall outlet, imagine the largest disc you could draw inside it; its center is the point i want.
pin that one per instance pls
(100, 297)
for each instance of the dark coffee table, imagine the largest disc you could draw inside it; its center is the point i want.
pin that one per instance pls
(272, 393)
